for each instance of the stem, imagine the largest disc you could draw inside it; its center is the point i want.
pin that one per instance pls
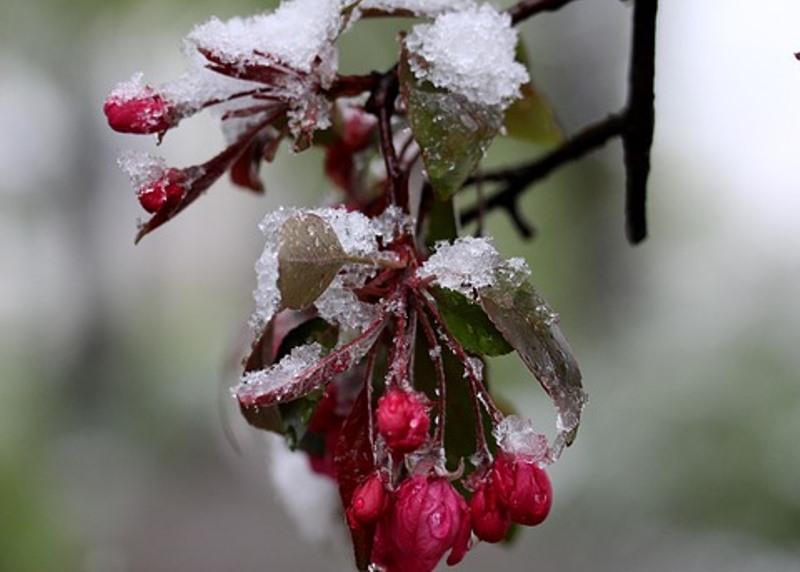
(527, 8)
(381, 104)
(371, 356)
(435, 354)
(518, 179)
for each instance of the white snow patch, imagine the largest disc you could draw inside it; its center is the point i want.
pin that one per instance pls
(471, 52)
(466, 265)
(417, 7)
(280, 375)
(515, 435)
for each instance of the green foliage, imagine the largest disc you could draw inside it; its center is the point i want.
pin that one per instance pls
(469, 324)
(453, 132)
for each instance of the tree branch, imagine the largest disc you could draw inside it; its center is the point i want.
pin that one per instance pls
(635, 125)
(638, 137)
(381, 104)
(518, 179)
(527, 8)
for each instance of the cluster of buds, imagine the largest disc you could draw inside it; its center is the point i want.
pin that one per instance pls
(358, 308)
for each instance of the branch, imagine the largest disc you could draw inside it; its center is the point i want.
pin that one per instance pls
(527, 8)
(518, 179)
(381, 104)
(635, 125)
(638, 137)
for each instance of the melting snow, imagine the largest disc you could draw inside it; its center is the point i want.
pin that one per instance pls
(278, 376)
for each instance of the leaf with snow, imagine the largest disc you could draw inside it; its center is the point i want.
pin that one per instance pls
(309, 257)
(303, 370)
(453, 132)
(469, 324)
(531, 327)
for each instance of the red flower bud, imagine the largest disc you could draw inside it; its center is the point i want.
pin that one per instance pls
(368, 503)
(427, 519)
(490, 520)
(403, 420)
(170, 188)
(523, 488)
(145, 112)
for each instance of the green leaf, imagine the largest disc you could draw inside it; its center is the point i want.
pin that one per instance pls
(531, 327)
(531, 119)
(309, 257)
(469, 324)
(441, 222)
(453, 132)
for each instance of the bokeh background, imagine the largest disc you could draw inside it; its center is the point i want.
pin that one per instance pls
(113, 404)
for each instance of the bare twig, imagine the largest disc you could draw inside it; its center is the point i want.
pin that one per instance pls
(634, 125)
(381, 104)
(527, 8)
(638, 136)
(518, 179)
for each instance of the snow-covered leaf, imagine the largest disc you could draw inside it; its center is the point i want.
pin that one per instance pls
(309, 257)
(453, 132)
(531, 327)
(304, 370)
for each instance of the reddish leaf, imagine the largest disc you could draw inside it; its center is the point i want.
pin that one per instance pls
(354, 463)
(273, 388)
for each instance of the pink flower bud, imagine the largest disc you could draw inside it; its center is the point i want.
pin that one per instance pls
(403, 420)
(368, 503)
(170, 188)
(428, 518)
(490, 520)
(523, 488)
(145, 112)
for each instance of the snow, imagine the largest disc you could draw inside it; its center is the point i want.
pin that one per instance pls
(295, 34)
(417, 7)
(466, 265)
(515, 435)
(143, 169)
(358, 236)
(471, 52)
(276, 377)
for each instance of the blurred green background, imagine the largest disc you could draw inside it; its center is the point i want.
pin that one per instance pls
(114, 358)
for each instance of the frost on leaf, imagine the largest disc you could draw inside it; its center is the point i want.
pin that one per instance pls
(303, 370)
(474, 268)
(298, 34)
(531, 327)
(471, 53)
(465, 266)
(516, 436)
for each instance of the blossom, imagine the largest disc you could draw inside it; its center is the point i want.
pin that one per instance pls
(523, 488)
(369, 502)
(428, 518)
(144, 111)
(490, 520)
(403, 420)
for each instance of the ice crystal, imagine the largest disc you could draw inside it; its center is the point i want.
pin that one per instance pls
(142, 168)
(471, 52)
(516, 436)
(282, 374)
(466, 265)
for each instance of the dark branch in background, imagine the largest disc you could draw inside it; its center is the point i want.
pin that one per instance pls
(638, 136)
(381, 104)
(634, 125)
(527, 8)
